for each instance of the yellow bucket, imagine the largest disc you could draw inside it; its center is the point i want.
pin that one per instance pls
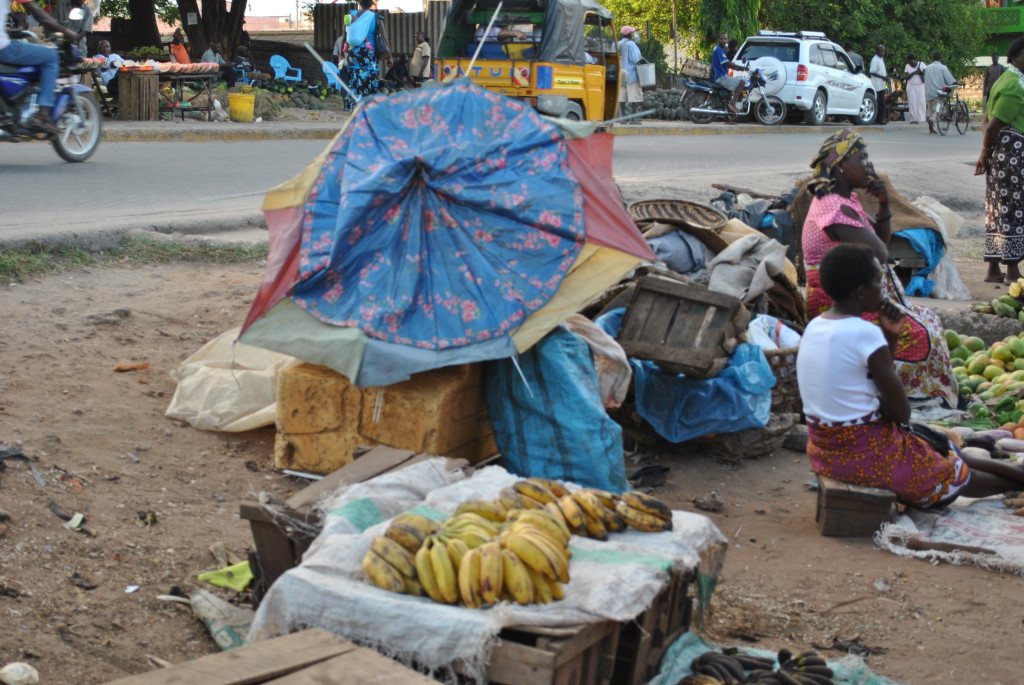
(241, 106)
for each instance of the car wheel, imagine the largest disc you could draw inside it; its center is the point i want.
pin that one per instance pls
(868, 106)
(815, 116)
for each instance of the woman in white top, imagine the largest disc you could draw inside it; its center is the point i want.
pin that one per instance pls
(855, 404)
(913, 74)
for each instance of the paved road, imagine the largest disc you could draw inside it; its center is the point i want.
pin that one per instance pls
(215, 185)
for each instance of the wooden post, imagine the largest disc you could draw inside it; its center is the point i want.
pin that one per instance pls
(675, 40)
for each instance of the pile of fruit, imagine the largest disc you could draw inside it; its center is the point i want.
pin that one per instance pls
(991, 379)
(1010, 305)
(514, 548)
(735, 668)
(667, 104)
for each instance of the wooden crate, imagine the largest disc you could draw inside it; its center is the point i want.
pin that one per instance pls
(569, 655)
(644, 640)
(138, 99)
(280, 543)
(846, 510)
(309, 657)
(683, 328)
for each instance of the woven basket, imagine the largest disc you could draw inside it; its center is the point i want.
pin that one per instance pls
(701, 221)
(694, 68)
(785, 394)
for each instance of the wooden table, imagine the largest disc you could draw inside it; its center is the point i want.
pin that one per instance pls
(137, 95)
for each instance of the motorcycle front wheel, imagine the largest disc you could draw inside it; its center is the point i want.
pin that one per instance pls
(770, 110)
(79, 130)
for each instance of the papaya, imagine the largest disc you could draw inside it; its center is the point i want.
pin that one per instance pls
(973, 343)
(1016, 346)
(1002, 352)
(998, 363)
(977, 365)
(960, 352)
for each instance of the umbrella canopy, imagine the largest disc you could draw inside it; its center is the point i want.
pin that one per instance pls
(443, 225)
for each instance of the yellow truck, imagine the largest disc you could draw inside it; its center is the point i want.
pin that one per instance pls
(558, 55)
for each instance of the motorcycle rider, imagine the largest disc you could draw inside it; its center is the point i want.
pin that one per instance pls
(720, 65)
(27, 54)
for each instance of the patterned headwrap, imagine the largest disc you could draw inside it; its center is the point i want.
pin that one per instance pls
(834, 150)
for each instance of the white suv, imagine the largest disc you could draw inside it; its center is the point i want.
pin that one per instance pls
(820, 78)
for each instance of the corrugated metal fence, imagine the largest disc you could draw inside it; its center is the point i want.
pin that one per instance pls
(328, 24)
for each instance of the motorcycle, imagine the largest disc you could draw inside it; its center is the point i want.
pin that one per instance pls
(75, 113)
(707, 100)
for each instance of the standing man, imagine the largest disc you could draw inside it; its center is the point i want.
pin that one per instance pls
(629, 81)
(936, 77)
(994, 71)
(419, 65)
(720, 66)
(880, 82)
(855, 59)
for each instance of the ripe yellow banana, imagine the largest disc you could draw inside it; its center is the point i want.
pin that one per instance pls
(546, 522)
(469, 579)
(481, 507)
(406, 535)
(516, 577)
(466, 519)
(557, 589)
(589, 503)
(456, 550)
(413, 587)
(556, 487)
(614, 524)
(473, 536)
(521, 526)
(541, 589)
(444, 573)
(641, 520)
(510, 499)
(536, 492)
(491, 572)
(381, 573)
(396, 555)
(608, 499)
(573, 515)
(425, 572)
(647, 504)
(592, 515)
(538, 553)
(426, 525)
(559, 557)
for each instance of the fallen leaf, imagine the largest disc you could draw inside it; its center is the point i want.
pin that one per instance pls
(128, 366)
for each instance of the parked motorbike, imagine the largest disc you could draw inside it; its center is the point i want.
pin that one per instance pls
(75, 113)
(706, 100)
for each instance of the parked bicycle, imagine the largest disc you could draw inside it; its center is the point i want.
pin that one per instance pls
(952, 109)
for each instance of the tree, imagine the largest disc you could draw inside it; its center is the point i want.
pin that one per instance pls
(738, 18)
(214, 21)
(953, 27)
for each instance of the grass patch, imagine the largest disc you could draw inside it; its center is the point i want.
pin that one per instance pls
(34, 259)
(144, 250)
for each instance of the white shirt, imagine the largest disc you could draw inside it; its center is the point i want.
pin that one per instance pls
(492, 35)
(108, 72)
(5, 8)
(832, 368)
(878, 67)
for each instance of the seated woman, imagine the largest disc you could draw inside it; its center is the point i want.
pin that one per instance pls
(836, 216)
(854, 400)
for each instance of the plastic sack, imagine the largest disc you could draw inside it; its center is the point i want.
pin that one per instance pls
(681, 408)
(771, 330)
(360, 29)
(681, 252)
(553, 425)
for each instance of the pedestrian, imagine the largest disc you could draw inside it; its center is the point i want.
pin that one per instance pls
(365, 45)
(179, 53)
(880, 82)
(630, 94)
(419, 65)
(855, 59)
(937, 78)
(81, 25)
(720, 65)
(994, 71)
(913, 76)
(1002, 162)
(108, 72)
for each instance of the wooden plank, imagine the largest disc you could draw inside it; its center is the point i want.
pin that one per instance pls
(517, 664)
(362, 666)
(373, 463)
(832, 489)
(835, 523)
(254, 663)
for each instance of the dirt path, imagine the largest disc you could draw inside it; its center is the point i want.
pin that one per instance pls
(98, 444)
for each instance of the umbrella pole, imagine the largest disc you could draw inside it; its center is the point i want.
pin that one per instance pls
(320, 59)
(632, 115)
(483, 38)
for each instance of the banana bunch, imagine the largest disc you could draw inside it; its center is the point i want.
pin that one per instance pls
(390, 563)
(643, 512)
(716, 668)
(807, 668)
(734, 668)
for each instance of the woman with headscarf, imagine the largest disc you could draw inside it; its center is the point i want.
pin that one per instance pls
(836, 216)
(1002, 162)
(364, 46)
(913, 76)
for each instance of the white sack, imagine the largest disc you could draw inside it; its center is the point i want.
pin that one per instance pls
(610, 361)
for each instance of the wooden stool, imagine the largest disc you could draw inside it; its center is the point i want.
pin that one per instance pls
(846, 510)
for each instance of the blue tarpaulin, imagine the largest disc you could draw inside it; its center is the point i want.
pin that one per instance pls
(927, 243)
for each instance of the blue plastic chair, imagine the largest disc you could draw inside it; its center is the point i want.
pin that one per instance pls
(333, 75)
(242, 77)
(283, 70)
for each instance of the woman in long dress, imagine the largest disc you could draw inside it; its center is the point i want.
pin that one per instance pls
(1002, 162)
(836, 216)
(362, 52)
(913, 74)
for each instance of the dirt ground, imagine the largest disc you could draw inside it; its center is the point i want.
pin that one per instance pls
(98, 443)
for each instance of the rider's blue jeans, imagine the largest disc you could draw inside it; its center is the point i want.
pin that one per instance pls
(27, 54)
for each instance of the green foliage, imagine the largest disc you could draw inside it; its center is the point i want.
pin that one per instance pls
(166, 10)
(654, 51)
(636, 14)
(36, 259)
(142, 249)
(953, 27)
(738, 18)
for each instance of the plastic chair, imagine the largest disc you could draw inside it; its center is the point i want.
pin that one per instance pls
(283, 70)
(333, 75)
(242, 77)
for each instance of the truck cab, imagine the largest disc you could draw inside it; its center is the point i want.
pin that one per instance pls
(560, 56)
